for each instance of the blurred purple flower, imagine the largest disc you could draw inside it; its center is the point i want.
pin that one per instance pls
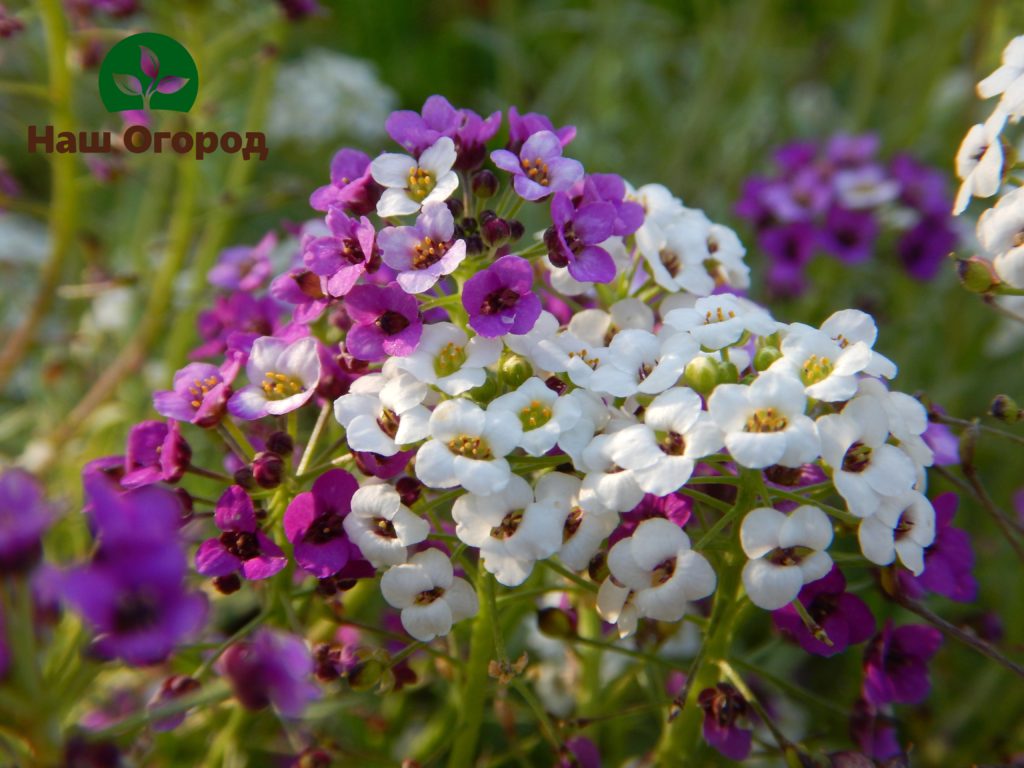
(156, 452)
(271, 668)
(896, 664)
(244, 267)
(948, 562)
(723, 706)
(24, 516)
(844, 617)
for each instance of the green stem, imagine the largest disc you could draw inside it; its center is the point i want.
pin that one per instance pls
(474, 693)
(314, 438)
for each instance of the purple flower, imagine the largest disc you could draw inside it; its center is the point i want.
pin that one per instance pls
(297, 10)
(522, 127)
(844, 617)
(235, 322)
(924, 247)
(723, 705)
(849, 235)
(944, 444)
(244, 267)
(582, 753)
(922, 188)
(156, 452)
(610, 188)
(418, 131)
(287, 374)
(387, 322)
(24, 516)
(574, 237)
(874, 732)
(352, 188)
(540, 168)
(242, 547)
(421, 254)
(500, 299)
(200, 394)
(791, 247)
(303, 288)
(270, 668)
(384, 467)
(896, 664)
(846, 151)
(122, 518)
(948, 562)
(314, 521)
(344, 256)
(674, 507)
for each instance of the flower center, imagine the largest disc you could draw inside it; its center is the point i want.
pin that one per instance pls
(857, 457)
(420, 183)
(815, 369)
(671, 443)
(903, 527)
(277, 386)
(823, 606)
(670, 260)
(135, 611)
(508, 526)
(384, 528)
(1018, 239)
(593, 362)
(242, 544)
(388, 422)
(325, 528)
(718, 316)
(428, 596)
(572, 523)
(309, 284)
(766, 420)
(470, 447)
(392, 322)
(536, 170)
(536, 414)
(450, 359)
(200, 387)
(787, 556)
(352, 251)
(644, 371)
(497, 302)
(663, 572)
(428, 252)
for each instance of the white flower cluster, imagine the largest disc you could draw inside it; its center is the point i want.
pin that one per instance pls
(980, 164)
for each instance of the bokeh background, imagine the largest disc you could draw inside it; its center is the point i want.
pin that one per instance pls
(695, 95)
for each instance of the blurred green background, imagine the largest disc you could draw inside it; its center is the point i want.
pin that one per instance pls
(694, 95)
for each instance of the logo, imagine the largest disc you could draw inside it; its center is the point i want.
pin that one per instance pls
(148, 71)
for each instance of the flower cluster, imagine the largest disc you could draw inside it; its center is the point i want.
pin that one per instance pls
(836, 199)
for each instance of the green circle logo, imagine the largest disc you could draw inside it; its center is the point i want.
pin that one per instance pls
(148, 71)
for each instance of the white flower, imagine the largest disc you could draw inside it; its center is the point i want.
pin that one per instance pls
(764, 423)
(607, 483)
(828, 371)
(448, 359)
(851, 326)
(907, 417)
(662, 450)
(867, 187)
(865, 468)
(719, 321)
(785, 551)
(380, 414)
(596, 326)
(654, 574)
(544, 415)
(640, 362)
(1008, 80)
(411, 183)
(595, 415)
(549, 349)
(430, 597)
(511, 530)
(282, 377)
(1001, 233)
(979, 162)
(904, 526)
(466, 448)
(583, 527)
(381, 526)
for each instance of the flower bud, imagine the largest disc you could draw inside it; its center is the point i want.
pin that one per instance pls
(556, 623)
(243, 477)
(556, 385)
(474, 245)
(456, 207)
(516, 370)
(496, 232)
(765, 357)
(409, 490)
(486, 391)
(366, 674)
(267, 470)
(702, 375)
(728, 373)
(484, 184)
(227, 585)
(1005, 408)
(516, 230)
(487, 215)
(976, 274)
(281, 443)
(597, 568)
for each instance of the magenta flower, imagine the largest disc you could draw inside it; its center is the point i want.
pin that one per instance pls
(418, 131)
(352, 188)
(522, 127)
(344, 256)
(540, 168)
(610, 188)
(200, 394)
(121, 518)
(844, 617)
(314, 524)
(575, 236)
(423, 253)
(235, 322)
(24, 516)
(896, 664)
(581, 753)
(304, 289)
(500, 299)
(387, 322)
(271, 668)
(849, 235)
(948, 561)
(287, 374)
(156, 452)
(242, 547)
(723, 706)
(243, 267)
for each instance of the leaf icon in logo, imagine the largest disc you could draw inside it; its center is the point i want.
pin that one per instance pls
(171, 84)
(128, 84)
(149, 62)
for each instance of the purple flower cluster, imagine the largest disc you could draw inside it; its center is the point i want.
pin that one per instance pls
(833, 199)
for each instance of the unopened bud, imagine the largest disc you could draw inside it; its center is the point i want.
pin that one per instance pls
(554, 622)
(267, 470)
(556, 385)
(516, 370)
(243, 477)
(496, 232)
(968, 439)
(976, 274)
(1005, 408)
(597, 568)
(227, 585)
(728, 373)
(474, 245)
(456, 207)
(365, 675)
(409, 490)
(281, 443)
(484, 184)
(516, 230)
(765, 357)
(702, 375)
